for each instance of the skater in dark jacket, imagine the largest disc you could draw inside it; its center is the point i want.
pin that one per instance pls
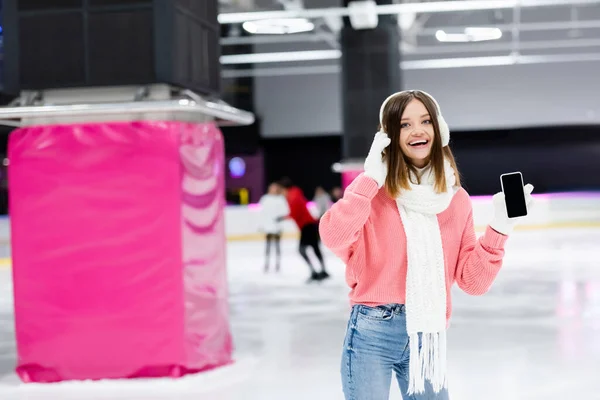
(308, 226)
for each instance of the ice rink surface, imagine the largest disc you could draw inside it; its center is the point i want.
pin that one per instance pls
(534, 336)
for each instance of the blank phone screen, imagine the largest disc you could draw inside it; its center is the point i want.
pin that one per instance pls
(512, 185)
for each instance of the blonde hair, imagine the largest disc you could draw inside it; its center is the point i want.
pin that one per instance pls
(399, 165)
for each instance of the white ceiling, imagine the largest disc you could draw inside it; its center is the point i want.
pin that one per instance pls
(564, 31)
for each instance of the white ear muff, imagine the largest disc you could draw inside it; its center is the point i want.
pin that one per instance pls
(444, 129)
(383, 107)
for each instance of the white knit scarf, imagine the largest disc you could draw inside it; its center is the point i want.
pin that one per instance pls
(426, 279)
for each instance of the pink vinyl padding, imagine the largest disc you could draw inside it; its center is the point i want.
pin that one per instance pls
(349, 176)
(118, 250)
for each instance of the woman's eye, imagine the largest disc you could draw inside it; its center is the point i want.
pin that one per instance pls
(427, 121)
(404, 125)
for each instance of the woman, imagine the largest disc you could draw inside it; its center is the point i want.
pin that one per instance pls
(405, 230)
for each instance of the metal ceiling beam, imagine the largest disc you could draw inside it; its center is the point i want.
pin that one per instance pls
(498, 61)
(525, 26)
(312, 37)
(422, 64)
(267, 39)
(284, 56)
(315, 55)
(487, 46)
(280, 71)
(429, 7)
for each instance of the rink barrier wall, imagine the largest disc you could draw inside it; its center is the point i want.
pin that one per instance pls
(258, 237)
(551, 211)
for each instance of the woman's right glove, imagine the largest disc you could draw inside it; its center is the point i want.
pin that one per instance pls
(375, 166)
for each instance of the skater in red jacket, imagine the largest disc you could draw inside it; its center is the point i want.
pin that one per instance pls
(308, 225)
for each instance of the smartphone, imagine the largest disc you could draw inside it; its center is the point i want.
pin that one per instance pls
(514, 195)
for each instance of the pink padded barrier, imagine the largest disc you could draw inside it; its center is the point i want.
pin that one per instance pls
(349, 176)
(118, 249)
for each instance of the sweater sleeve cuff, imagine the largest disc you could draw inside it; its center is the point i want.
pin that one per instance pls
(493, 239)
(364, 186)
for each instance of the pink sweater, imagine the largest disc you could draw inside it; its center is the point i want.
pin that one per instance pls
(365, 230)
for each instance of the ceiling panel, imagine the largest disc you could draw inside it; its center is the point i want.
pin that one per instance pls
(561, 29)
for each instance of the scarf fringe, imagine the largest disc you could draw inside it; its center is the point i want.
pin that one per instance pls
(428, 362)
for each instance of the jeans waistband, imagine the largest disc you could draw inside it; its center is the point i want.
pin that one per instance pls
(395, 308)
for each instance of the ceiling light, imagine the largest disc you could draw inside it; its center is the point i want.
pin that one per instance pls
(470, 34)
(363, 14)
(286, 56)
(280, 26)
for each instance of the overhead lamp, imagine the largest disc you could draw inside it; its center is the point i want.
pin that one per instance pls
(285, 56)
(278, 26)
(363, 14)
(470, 34)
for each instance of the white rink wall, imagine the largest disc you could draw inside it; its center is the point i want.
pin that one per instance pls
(550, 211)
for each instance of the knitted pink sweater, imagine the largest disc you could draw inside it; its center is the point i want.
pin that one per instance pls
(364, 229)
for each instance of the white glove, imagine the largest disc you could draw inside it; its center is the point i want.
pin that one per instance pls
(374, 166)
(501, 223)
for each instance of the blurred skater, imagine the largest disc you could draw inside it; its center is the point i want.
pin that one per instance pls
(309, 228)
(336, 194)
(322, 200)
(274, 209)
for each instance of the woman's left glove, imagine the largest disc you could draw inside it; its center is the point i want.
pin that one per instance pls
(501, 223)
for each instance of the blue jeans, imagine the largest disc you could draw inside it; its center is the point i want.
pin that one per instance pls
(376, 344)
